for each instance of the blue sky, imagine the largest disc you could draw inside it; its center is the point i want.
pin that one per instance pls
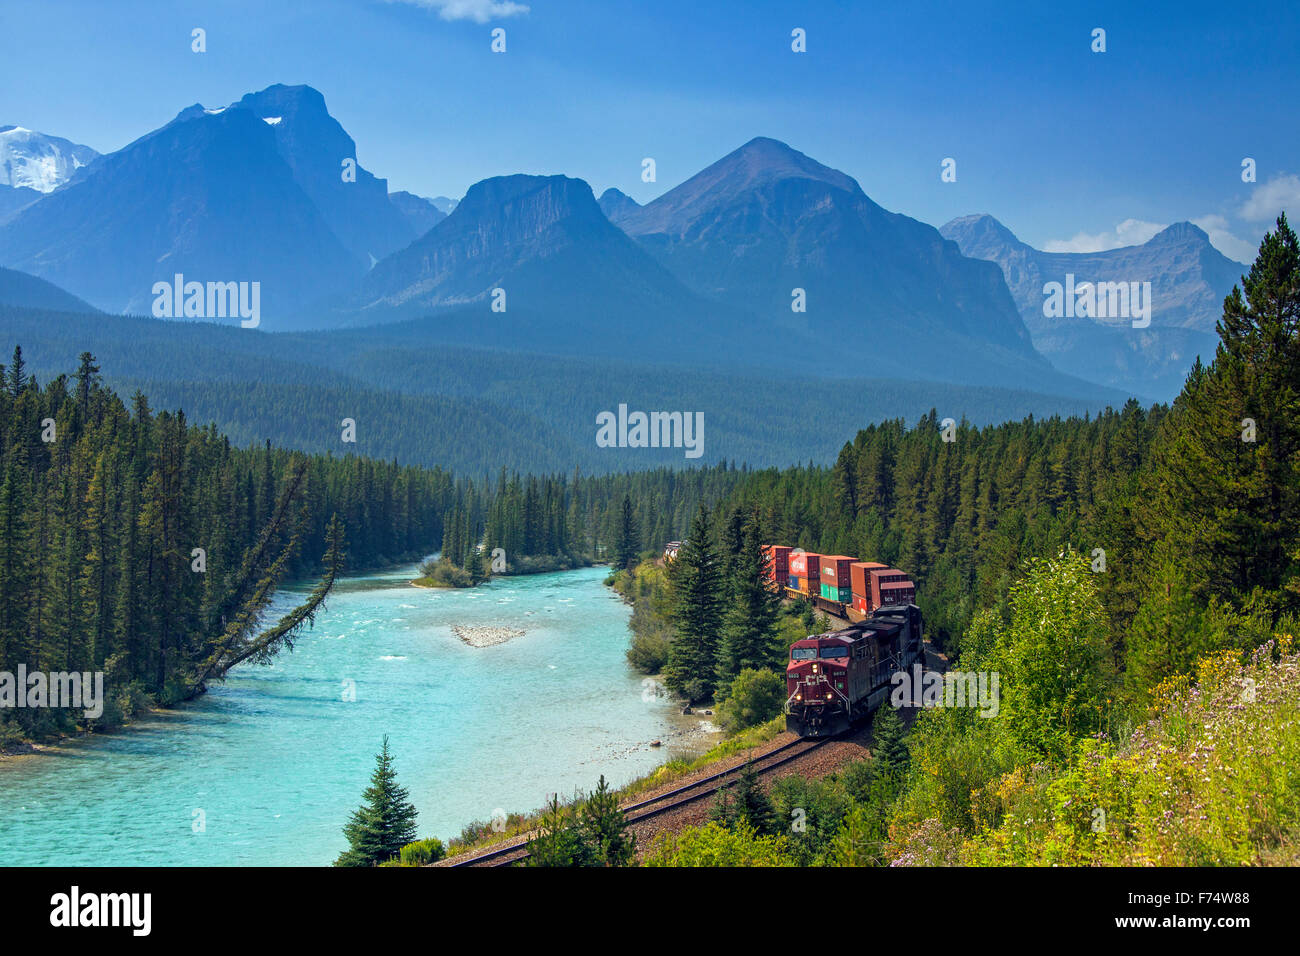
(1071, 149)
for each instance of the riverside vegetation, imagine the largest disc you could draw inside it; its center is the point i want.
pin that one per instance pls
(136, 543)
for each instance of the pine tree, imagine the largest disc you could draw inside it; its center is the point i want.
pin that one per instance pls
(17, 377)
(87, 379)
(559, 841)
(16, 572)
(744, 802)
(384, 823)
(1227, 488)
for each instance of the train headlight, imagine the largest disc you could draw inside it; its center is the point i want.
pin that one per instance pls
(828, 695)
(798, 696)
(814, 668)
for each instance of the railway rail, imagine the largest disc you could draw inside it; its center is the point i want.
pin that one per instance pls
(678, 797)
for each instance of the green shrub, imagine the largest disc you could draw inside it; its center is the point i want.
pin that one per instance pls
(648, 653)
(441, 573)
(810, 812)
(754, 698)
(715, 845)
(423, 852)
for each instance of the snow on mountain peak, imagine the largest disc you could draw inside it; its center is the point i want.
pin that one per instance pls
(37, 161)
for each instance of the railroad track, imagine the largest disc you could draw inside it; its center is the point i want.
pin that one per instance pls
(654, 806)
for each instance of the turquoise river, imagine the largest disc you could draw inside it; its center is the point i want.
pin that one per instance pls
(265, 768)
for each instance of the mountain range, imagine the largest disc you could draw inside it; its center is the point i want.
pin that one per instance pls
(765, 259)
(766, 220)
(1189, 280)
(532, 262)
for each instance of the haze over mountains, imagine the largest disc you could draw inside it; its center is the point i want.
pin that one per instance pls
(766, 219)
(617, 205)
(476, 411)
(765, 259)
(28, 291)
(569, 280)
(1189, 280)
(422, 214)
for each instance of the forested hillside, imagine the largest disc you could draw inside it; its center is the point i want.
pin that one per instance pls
(962, 515)
(607, 517)
(474, 411)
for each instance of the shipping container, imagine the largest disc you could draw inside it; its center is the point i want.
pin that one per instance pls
(880, 577)
(860, 581)
(835, 569)
(831, 593)
(898, 592)
(806, 564)
(777, 556)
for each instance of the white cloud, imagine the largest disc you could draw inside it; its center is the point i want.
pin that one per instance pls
(1221, 237)
(1279, 194)
(480, 11)
(1130, 232)
(1134, 232)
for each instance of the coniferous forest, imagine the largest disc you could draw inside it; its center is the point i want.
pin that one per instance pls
(137, 543)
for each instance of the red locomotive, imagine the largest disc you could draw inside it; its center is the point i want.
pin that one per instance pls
(835, 679)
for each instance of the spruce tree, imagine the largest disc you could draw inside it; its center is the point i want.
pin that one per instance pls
(1227, 485)
(559, 841)
(749, 628)
(604, 827)
(745, 802)
(890, 751)
(17, 377)
(627, 545)
(696, 612)
(384, 823)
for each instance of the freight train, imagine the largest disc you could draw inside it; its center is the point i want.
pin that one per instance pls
(835, 679)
